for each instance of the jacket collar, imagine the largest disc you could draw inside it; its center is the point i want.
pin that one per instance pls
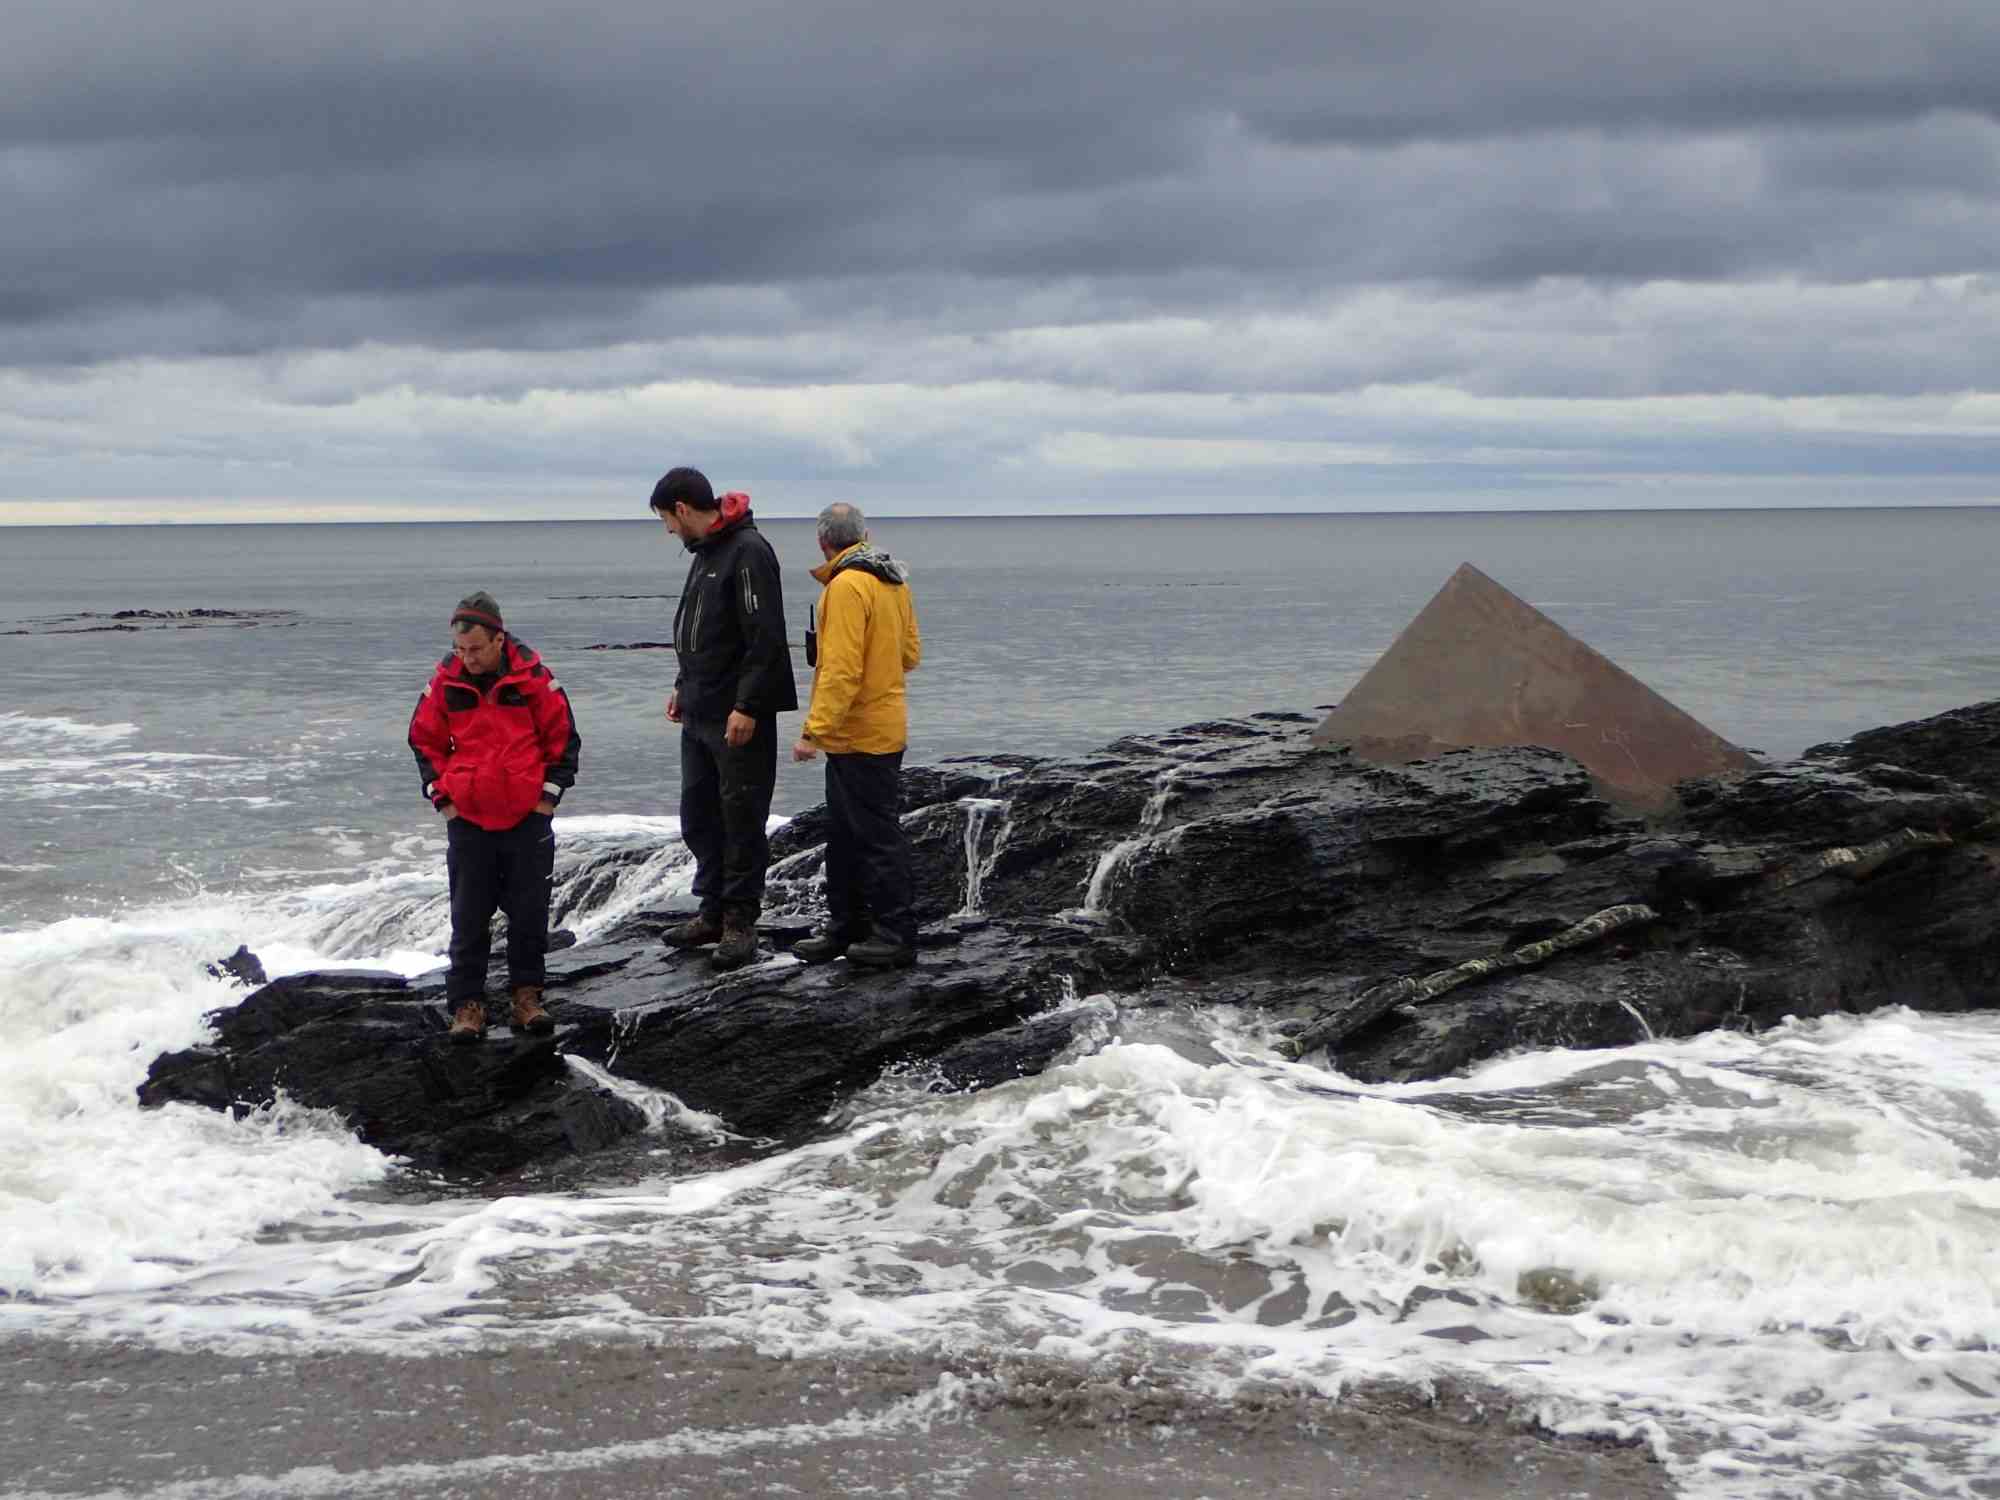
(866, 558)
(825, 571)
(733, 511)
(515, 660)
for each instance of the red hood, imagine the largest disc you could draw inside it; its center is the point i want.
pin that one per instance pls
(733, 510)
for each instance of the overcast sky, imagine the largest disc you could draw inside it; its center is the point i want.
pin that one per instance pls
(406, 258)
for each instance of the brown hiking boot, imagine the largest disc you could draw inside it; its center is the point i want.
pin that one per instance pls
(824, 946)
(739, 942)
(468, 1023)
(528, 1012)
(703, 928)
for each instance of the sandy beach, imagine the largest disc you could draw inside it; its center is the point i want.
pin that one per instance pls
(628, 1419)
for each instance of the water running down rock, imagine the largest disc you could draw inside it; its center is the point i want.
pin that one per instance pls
(980, 811)
(1120, 854)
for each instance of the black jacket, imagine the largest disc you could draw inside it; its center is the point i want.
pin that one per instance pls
(729, 629)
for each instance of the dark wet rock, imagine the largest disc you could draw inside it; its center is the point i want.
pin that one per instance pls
(196, 614)
(932, 802)
(129, 620)
(770, 1048)
(1532, 1010)
(634, 646)
(1962, 745)
(243, 966)
(371, 1048)
(1458, 1333)
(1224, 863)
(1017, 1051)
(1556, 1290)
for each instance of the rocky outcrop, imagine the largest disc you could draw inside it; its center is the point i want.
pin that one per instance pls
(770, 1049)
(1962, 745)
(1397, 921)
(91, 621)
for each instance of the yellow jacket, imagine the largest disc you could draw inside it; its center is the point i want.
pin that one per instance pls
(867, 640)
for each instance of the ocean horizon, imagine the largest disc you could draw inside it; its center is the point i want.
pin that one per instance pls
(1059, 514)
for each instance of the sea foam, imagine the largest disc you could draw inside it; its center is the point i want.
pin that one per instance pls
(100, 1200)
(53, 731)
(1773, 1257)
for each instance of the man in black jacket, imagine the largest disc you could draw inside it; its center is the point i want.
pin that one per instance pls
(734, 679)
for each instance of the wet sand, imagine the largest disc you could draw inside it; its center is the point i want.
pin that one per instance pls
(627, 1419)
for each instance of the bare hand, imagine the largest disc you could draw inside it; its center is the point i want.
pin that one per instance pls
(804, 750)
(674, 707)
(546, 808)
(737, 732)
(449, 812)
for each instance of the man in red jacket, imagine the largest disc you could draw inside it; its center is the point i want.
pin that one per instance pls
(496, 748)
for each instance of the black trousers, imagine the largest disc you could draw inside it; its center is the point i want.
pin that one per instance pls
(867, 856)
(504, 871)
(725, 803)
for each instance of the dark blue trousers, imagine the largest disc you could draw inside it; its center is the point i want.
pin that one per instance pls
(505, 871)
(867, 856)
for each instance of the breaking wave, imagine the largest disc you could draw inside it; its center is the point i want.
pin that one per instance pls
(45, 732)
(1775, 1258)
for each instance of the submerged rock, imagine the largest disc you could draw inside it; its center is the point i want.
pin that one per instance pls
(129, 620)
(243, 966)
(1403, 921)
(1553, 1289)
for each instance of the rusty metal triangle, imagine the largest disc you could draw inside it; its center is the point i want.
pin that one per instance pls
(1479, 666)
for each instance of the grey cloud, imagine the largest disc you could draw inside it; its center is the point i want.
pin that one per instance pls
(1948, 154)
(464, 249)
(1566, 339)
(426, 260)
(292, 168)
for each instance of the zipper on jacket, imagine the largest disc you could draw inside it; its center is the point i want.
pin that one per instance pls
(515, 670)
(684, 614)
(694, 625)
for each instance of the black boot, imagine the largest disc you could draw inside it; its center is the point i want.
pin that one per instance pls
(703, 928)
(883, 949)
(823, 946)
(739, 941)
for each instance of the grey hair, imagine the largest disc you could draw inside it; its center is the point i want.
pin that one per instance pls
(842, 525)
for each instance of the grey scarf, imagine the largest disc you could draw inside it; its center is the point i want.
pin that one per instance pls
(870, 559)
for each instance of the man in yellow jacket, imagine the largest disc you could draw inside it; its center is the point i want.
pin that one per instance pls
(862, 640)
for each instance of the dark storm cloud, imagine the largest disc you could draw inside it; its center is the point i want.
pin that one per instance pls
(498, 173)
(493, 257)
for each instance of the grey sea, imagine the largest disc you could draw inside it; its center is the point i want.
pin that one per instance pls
(151, 756)
(202, 745)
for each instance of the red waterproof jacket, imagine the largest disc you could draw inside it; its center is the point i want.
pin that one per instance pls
(494, 752)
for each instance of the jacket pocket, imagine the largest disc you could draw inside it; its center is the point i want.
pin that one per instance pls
(460, 785)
